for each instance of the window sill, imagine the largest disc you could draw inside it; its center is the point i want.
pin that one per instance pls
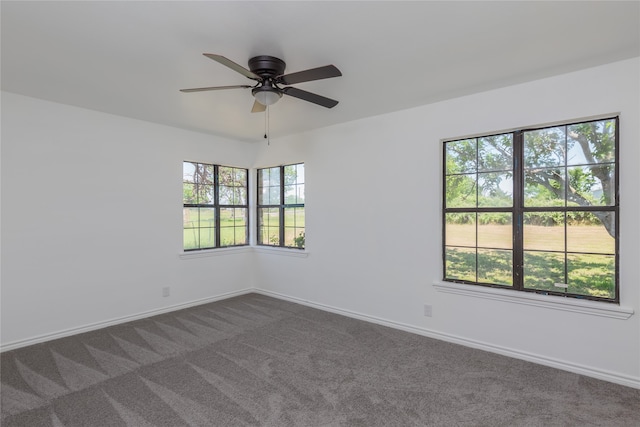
(592, 308)
(214, 252)
(272, 250)
(298, 253)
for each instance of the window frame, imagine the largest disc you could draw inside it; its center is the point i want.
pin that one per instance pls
(282, 207)
(217, 208)
(518, 210)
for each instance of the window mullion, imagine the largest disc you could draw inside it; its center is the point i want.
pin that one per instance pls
(216, 204)
(281, 207)
(518, 207)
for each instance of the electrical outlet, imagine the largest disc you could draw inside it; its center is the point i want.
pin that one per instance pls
(166, 291)
(428, 310)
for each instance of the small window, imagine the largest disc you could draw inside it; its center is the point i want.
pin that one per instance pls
(215, 210)
(535, 210)
(281, 206)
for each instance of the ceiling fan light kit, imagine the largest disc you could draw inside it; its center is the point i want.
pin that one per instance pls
(268, 71)
(266, 95)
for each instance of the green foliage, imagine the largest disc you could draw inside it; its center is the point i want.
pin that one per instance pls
(299, 240)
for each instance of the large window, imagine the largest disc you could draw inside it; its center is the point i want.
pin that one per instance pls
(215, 210)
(281, 206)
(535, 210)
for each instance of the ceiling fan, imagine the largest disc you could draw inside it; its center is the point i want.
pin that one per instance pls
(268, 71)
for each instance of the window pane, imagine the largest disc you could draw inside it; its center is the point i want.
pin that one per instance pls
(274, 196)
(592, 275)
(233, 226)
(191, 238)
(495, 189)
(290, 217)
(589, 143)
(591, 232)
(207, 238)
(225, 175)
(206, 195)
(190, 217)
(234, 177)
(544, 187)
(233, 195)
(300, 193)
(227, 217)
(544, 147)
(300, 217)
(227, 236)
(294, 194)
(460, 264)
(188, 172)
(274, 176)
(207, 217)
(460, 229)
(240, 217)
(189, 193)
(263, 196)
(269, 217)
(294, 174)
(289, 194)
(495, 230)
(240, 196)
(269, 228)
(204, 174)
(461, 191)
(235, 236)
(544, 231)
(461, 156)
(591, 185)
(294, 237)
(240, 176)
(495, 153)
(495, 267)
(225, 195)
(271, 236)
(263, 177)
(300, 173)
(294, 227)
(542, 270)
(290, 174)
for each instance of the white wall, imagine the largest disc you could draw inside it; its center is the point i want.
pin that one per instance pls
(91, 219)
(374, 223)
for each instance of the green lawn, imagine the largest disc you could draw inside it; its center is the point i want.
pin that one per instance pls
(591, 273)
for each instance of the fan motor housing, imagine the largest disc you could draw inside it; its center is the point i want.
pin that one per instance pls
(267, 66)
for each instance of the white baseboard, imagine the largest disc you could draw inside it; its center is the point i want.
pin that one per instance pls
(613, 377)
(99, 325)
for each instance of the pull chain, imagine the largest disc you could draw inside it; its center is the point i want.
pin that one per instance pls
(267, 133)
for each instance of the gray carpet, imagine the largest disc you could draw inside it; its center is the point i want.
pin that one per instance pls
(255, 360)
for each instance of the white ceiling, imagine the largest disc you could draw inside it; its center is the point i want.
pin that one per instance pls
(131, 58)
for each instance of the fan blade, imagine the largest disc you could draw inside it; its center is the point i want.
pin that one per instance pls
(311, 97)
(202, 89)
(319, 73)
(235, 67)
(258, 108)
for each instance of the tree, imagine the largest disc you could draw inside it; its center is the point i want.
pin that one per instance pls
(588, 151)
(575, 163)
